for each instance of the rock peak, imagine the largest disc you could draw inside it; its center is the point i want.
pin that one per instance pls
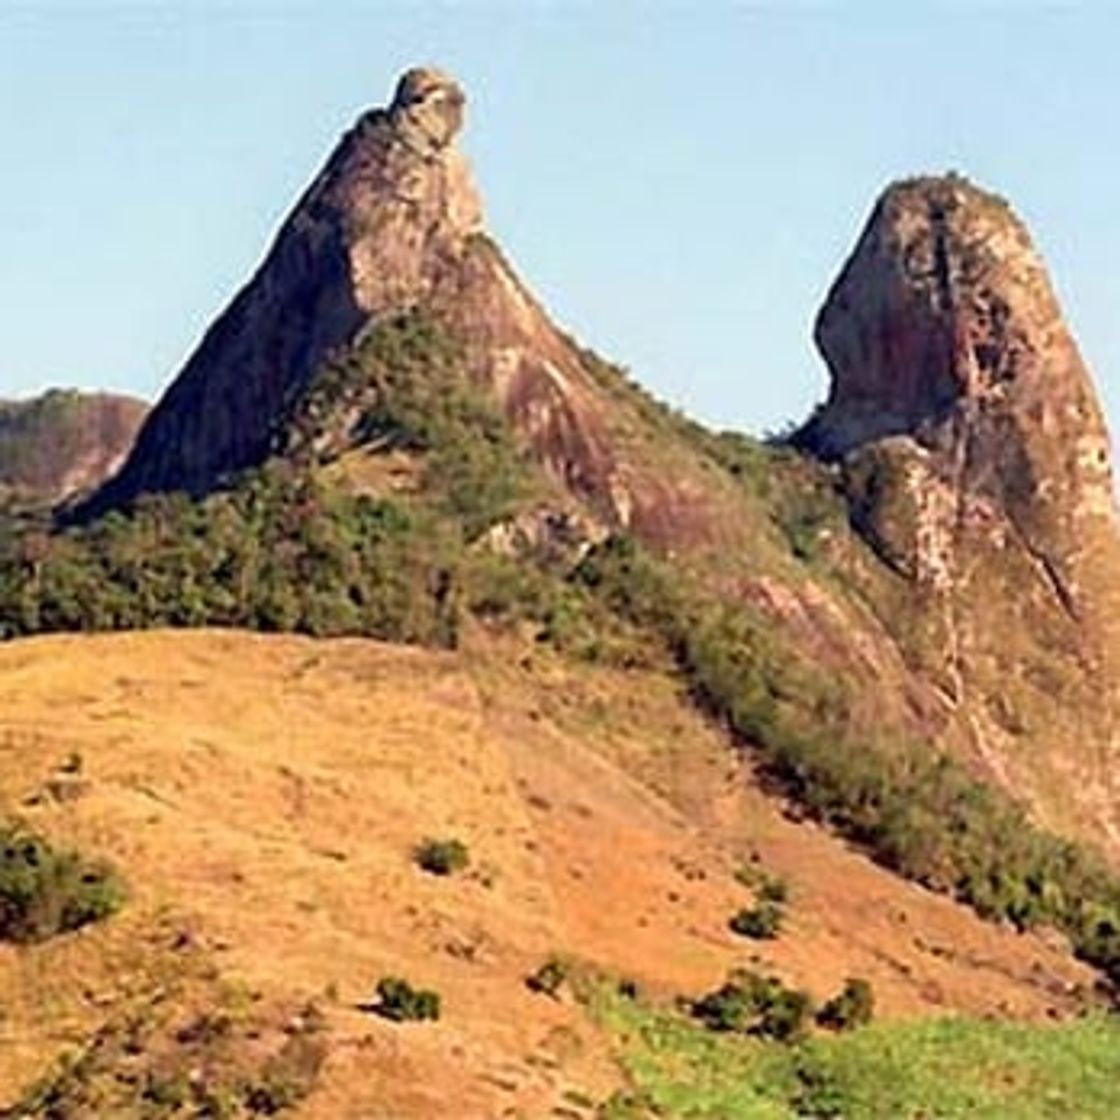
(949, 357)
(944, 299)
(428, 106)
(943, 324)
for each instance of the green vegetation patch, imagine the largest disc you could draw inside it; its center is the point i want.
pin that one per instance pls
(45, 892)
(762, 922)
(852, 1007)
(280, 551)
(750, 1003)
(283, 550)
(403, 387)
(398, 1001)
(946, 1069)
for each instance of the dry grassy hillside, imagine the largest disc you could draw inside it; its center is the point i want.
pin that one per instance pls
(263, 797)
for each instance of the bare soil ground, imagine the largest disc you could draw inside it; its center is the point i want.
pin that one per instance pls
(263, 796)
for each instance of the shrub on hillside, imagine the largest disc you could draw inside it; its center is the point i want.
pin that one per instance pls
(44, 892)
(753, 1004)
(762, 922)
(549, 978)
(767, 887)
(399, 1001)
(916, 810)
(442, 857)
(853, 1007)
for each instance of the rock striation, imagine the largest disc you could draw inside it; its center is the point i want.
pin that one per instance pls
(393, 224)
(63, 443)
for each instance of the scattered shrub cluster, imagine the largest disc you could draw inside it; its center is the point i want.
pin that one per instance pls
(750, 1003)
(44, 892)
(144, 1067)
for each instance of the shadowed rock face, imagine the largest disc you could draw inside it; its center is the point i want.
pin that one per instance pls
(62, 443)
(393, 223)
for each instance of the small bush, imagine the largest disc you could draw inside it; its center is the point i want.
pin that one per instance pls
(762, 922)
(853, 1007)
(398, 1000)
(760, 1005)
(442, 857)
(787, 1017)
(629, 989)
(768, 887)
(774, 889)
(726, 1009)
(44, 892)
(549, 978)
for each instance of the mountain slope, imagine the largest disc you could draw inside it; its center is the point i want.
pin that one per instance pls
(952, 562)
(263, 795)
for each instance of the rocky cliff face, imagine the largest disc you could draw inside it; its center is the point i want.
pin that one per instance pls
(61, 444)
(393, 224)
(976, 461)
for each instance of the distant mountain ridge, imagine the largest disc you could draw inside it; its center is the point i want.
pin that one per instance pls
(64, 443)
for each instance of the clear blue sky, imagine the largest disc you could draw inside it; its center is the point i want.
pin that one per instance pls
(678, 183)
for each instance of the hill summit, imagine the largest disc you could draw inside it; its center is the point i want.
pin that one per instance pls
(975, 460)
(943, 329)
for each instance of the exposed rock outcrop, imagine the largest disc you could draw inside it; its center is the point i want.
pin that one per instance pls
(976, 461)
(393, 224)
(64, 443)
(943, 327)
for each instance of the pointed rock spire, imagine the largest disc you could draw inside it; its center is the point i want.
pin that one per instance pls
(393, 223)
(943, 328)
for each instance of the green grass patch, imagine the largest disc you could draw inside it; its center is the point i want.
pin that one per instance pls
(943, 1069)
